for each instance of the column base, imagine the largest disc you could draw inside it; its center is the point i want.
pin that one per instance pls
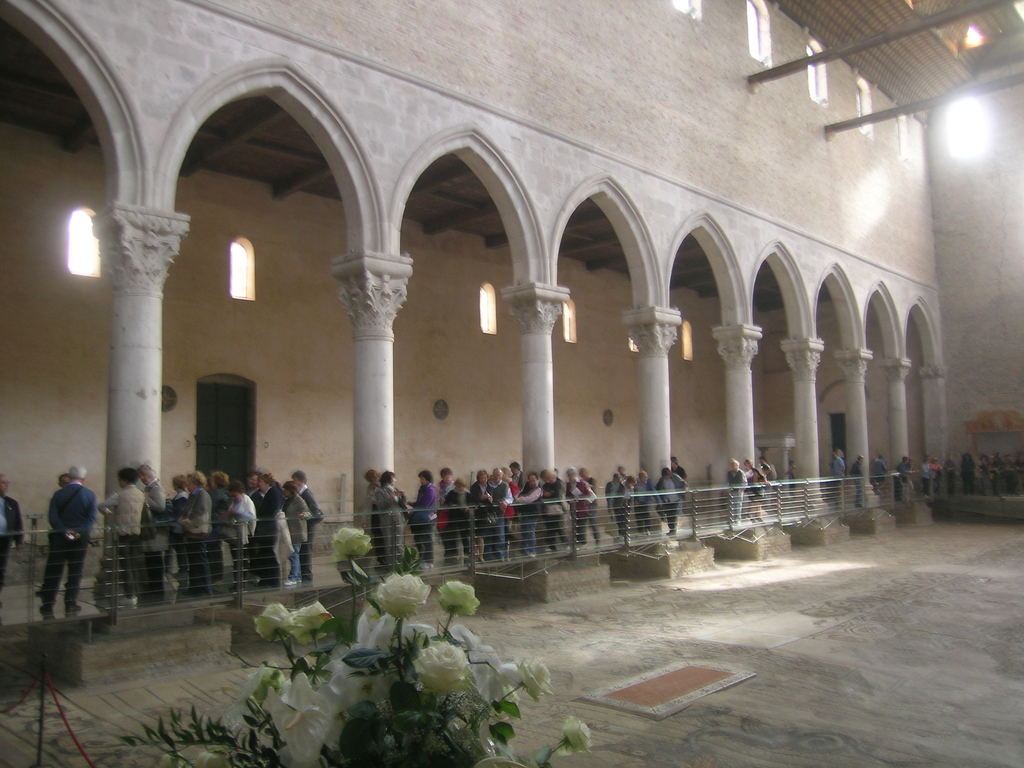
(913, 513)
(755, 544)
(871, 523)
(660, 561)
(821, 532)
(557, 583)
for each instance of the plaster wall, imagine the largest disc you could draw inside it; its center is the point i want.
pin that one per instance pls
(979, 254)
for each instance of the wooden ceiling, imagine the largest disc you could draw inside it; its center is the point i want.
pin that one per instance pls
(255, 139)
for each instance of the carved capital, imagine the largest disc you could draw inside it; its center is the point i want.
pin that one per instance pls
(854, 363)
(932, 372)
(654, 339)
(737, 344)
(804, 357)
(536, 316)
(138, 246)
(372, 301)
(896, 369)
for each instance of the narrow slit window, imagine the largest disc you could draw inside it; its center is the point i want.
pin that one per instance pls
(632, 346)
(690, 7)
(817, 81)
(686, 333)
(242, 281)
(488, 309)
(902, 139)
(864, 104)
(759, 36)
(83, 247)
(569, 321)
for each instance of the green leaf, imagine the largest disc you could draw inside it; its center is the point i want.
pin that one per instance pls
(507, 707)
(410, 721)
(502, 732)
(544, 756)
(364, 710)
(356, 737)
(362, 658)
(404, 696)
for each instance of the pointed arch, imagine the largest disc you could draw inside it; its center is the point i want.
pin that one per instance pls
(927, 328)
(648, 287)
(517, 211)
(881, 301)
(799, 321)
(297, 93)
(724, 264)
(85, 66)
(851, 329)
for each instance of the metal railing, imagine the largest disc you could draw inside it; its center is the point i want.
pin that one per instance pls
(123, 573)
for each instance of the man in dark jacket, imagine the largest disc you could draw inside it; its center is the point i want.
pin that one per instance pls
(10, 527)
(72, 515)
(315, 516)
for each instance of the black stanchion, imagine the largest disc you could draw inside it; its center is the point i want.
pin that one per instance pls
(42, 713)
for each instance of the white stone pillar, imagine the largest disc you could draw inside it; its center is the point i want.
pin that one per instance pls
(804, 356)
(372, 288)
(896, 370)
(537, 308)
(653, 331)
(854, 363)
(137, 246)
(737, 344)
(933, 385)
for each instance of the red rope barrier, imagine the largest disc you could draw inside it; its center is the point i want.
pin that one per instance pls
(67, 725)
(25, 696)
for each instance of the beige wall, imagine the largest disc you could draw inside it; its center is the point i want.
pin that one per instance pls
(650, 85)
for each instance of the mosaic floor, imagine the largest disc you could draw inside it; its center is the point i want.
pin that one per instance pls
(901, 650)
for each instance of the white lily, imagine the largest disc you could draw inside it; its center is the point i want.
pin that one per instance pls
(303, 718)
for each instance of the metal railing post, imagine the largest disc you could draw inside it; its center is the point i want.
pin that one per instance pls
(572, 531)
(112, 586)
(693, 513)
(239, 563)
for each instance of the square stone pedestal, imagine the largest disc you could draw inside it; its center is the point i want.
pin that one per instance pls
(148, 645)
(660, 561)
(546, 586)
(913, 513)
(819, 533)
(871, 523)
(755, 544)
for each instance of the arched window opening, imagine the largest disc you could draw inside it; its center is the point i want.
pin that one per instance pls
(690, 7)
(632, 346)
(817, 80)
(902, 138)
(488, 309)
(242, 281)
(864, 104)
(759, 37)
(83, 247)
(686, 334)
(569, 321)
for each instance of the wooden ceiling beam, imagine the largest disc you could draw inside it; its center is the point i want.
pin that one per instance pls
(244, 128)
(497, 240)
(925, 105)
(698, 285)
(298, 182)
(448, 221)
(603, 263)
(592, 242)
(435, 177)
(41, 87)
(883, 37)
(74, 138)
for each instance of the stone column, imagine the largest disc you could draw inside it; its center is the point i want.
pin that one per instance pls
(854, 363)
(137, 246)
(372, 288)
(737, 344)
(537, 308)
(933, 385)
(896, 370)
(653, 331)
(804, 356)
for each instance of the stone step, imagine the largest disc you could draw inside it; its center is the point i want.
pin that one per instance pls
(660, 561)
(755, 544)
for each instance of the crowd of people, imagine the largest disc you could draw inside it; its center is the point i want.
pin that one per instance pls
(506, 513)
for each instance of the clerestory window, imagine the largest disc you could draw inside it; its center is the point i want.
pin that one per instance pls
(242, 269)
(759, 36)
(488, 309)
(83, 247)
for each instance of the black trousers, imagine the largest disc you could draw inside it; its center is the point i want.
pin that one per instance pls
(69, 552)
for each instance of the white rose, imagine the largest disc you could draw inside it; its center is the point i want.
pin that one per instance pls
(274, 617)
(349, 543)
(442, 668)
(458, 597)
(212, 760)
(307, 620)
(536, 678)
(575, 736)
(402, 596)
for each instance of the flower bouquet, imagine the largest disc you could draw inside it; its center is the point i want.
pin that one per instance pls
(373, 690)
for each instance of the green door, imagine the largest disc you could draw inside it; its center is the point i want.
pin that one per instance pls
(224, 429)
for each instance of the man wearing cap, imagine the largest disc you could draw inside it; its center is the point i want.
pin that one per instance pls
(72, 515)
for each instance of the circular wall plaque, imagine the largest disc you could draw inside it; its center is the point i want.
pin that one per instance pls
(608, 417)
(440, 410)
(168, 399)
